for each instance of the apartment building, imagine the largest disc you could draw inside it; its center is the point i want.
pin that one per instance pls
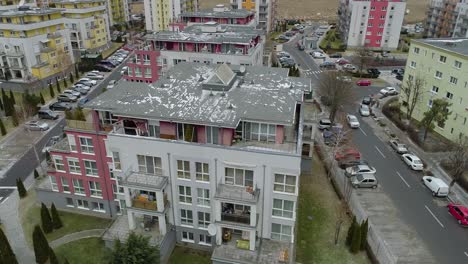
(159, 14)
(221, 15)
(88, 23)
(207, 43)
(373, 24)
(265, 11)
(447, 18)
(34, 44)
(443, 65)
(118, 11)
(8, 4)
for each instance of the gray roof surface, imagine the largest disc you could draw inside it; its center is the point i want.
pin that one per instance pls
(16, 12)
(457, 45)
(230, 13)
(266, 94)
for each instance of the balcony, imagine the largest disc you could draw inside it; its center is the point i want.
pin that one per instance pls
(15, 53)
(232, 193)
(236, 218)
(134, 179)
(145, 204)
(54, 35)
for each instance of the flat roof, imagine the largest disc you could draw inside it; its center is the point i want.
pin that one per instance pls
(195, 93)
(227, 13)
(456, 45)
(29, 12)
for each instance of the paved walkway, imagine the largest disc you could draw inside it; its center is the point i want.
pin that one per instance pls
(77, 236)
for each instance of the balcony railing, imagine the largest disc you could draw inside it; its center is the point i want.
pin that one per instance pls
(148, 205)
(236, 218)
(77, 124)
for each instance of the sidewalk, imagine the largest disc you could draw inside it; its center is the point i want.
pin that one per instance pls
(77, 236)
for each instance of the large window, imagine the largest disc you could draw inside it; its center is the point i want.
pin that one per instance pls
(72, 142)
(283, 208)
(186, 217)
(183, 169)
(438, 75)
(58, 161)
(98, 207)
(74, 166)
(453, 80)
(202, 172)
(78, 187)
(203, 197)
(82, 204)
(154, 130)
(285, 183)
(262, 132)
(281, 232)
(53, 183)
(91, 168)
(442, 59)
(457, 64)
(212, 135)
(205, 240)
(95, 189)
(149, 164)
(239, 177)
(203, 219)
(87, 145)
(187, 236)
(185, 194)
(116, 159)
(65, 184)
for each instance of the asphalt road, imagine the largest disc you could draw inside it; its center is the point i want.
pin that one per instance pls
(447, 241)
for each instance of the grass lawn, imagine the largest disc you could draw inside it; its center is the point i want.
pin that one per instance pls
(114, 46)
(182, 255)
(333, 39)
(318, 213)
(87, 250)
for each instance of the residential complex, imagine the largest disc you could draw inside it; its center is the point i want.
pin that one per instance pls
(265, 11)
(443, 65)
(118, 11)
(447, 18)
(159, 14)
(220, 15)
(373, 24)
(207, 43)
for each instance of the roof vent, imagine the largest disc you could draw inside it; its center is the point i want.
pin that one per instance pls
(252, 82)
(230, 107)
(201, 79)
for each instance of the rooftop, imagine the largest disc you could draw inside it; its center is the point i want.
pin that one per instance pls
(226, 13)
(456, 45)
(29, 12)
(210, 95)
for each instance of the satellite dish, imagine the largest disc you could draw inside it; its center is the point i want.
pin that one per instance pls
(212, 229)
(242, 69)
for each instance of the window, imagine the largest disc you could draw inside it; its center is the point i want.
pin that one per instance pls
(239, 177)
(183, 169)
(372, 8)
(283, 208)
(58, 161)
(72, 142)
(203, 219)
(65, 184)
(203, 197)
(260, 132)
(410, 77)
(285, 183)
(74, 166)
(187, 236)
(91, 168)
(457, 64)
(53, 183)
(82, 204)
(281, 232)
(69, 202)
(205, 240)
(438, 75)
(212, 135)
(186, 217)
(78, 187)
(95, 189)
(435, 89)
(442, 59)
(449, 95)
(185, 194)
(429, 103)
(453, 80)
(384, 8)
(416, 50)
(202, 172)
(116, 159)
(149, 164)
(413, 64)
(98, 207)
(148, 73)
(86, 145)
(154, 130)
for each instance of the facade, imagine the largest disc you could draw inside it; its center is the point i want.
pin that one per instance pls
(220, 15)
(118, 11)
(207, 43)
(373, 24)
(88, 23)
(159, 14)
(443, 64)
(265, 11)
(34, 44)
(447, 18)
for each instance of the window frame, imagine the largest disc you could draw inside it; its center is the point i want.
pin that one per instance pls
(202, 175)
(203, 220)
(72, 142)
(186, 217)
(58, 164)
(437, 73)
(91, 169)
(453, 80)
(117, 164)
(156, 164)
(185, 195)
(186, 237)
(65, 184)
(72, 168)
(183, 170)
(204, 199)
(282, 211)
(284, 184)
(95, 188)
(235, 179)
(78, 187)
(281, 236)
(459, 63)
(53, 183)
(85, 147)
(204, 241)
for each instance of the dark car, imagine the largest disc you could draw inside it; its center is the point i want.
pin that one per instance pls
(399, 77)
(374, 73)
(336, 55)
(107, 63)
(66, 98)
(60, 106)
(398, 71)
(47, 114)
(82, 102)
(102, 68)
(328, 65)
(374, 70)
(366, 100)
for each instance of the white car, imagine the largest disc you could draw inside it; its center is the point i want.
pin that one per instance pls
(35, 125)
(111, 84)
(318, 55)
(364, 110)
(437, 186)
(359, 169)
(353, 122)
(124, 70)
(94, 76)
(400, 148)
(413, 161)
(389, 91)
(349, 67)
(72, 93)
(94, 82)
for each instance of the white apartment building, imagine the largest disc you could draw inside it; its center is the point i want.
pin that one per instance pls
(265, 11)
(210, 147)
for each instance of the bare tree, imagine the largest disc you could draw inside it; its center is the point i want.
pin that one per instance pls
(335, 92)
(361, 58)
(458, 159)
(64, 61)
(411, 92)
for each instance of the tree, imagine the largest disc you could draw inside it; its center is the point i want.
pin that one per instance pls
(36, 174)
(79, 115)
(21, 190)
(364, 230)
(46, 220)
(349, 237)
(356, 240)
(42, 99)
(52, 257)
(57, 83)
(77, 71)
(64, 62)
(51, 90)
(41, 246)
(411, 92)
(6, 253)
(30, 104)
(72, 80)
(335, 91)
(458, 160)
(56, 221)
(437, 113)
(7, 104)
(14, 116)
(137, 249)
(2, 128)
(361, 58)
(12, 97)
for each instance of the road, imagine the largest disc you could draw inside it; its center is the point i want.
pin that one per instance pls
(428, 216)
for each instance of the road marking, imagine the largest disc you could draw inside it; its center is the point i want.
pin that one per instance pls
(363, 131)
(401, 177)
(7, 187)
(380, 152)
(466, 254)
(5, 200)
(438, 221)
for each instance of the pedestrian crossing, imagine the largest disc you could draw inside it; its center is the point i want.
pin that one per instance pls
(310, 73)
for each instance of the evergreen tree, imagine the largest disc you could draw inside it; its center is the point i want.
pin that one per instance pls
(349, 237)
(14, 116)
(52, 257)
(72, 80)
(21, 190)
(364, 230)
(66, 261)
(12, 97)
(51, 91)
(1, 105)
(77, 71)
(41, 246)
(79, 115)
(137, 249)
(36, 174)
(6, 253)
(6, 103)
(58, 86)
(42, 99)
(356, 240)
(2, 128)
(56, 221)
(46, 220)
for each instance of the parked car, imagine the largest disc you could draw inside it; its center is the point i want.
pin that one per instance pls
(87, 81)
(364, 181)
(60, 106)
(367, 100)
(328, 65)
(388, 91)
(460, 213)
(412, 161)
(336, 55)
(342, 61)
(375, 73)
(107, 63)
(288, 62)
(398, 71)
(80, 90)
(399, 77)
(82, 102)
(318, 55)
(400, 148)
(283, 37)
(344, 78)
(102, 68)
(349, 67)
(111, 84)
(348, 153)
(352, 120)
(324, 123)
(282, 54)
(437, 186)
(343, 164)
(94, 76)
(71, 92)
(82, 86)
(364, 110)
(66, 98)
(124, 70)
(47, 114)
(363, 83)
(36, 126)
(52, 141)
(359, 169)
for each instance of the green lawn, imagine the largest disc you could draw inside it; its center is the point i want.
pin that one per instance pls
(182, 255)
(318, 211)
(87, 250)
(332, 38)
(115, 46)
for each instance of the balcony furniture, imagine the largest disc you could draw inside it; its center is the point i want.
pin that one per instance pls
(227, 236)
(284, 256)
(243, 244)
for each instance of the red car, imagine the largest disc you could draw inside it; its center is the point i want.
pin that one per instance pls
(460, 213)
(348, 154)
(342, 61)
(363, 82)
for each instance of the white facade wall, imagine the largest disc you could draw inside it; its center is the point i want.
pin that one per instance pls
(393, 25)
(461, 23)
(359, 16)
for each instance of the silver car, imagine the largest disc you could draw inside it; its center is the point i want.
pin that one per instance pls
(36, 126)
(364, 110)
(364, 181)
